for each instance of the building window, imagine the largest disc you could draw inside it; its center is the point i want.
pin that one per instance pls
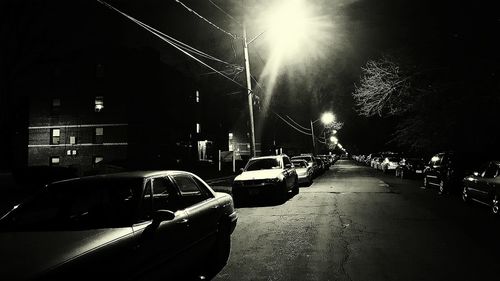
(98, 159)
(56, 105)
(55, 136)
(99, 135)
(197, 96)
(70, 152)
(72, 140)
(99, 103)
(198, 128)
(54, 160)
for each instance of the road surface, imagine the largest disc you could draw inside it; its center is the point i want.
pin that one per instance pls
(355, 223)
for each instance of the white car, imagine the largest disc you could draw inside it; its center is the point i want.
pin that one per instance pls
(273, 175)
(304, 171)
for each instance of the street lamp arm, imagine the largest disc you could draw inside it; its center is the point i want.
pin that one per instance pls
(253, 39)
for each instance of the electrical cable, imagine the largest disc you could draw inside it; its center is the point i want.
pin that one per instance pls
(284, 120)
(206, 20)
(173, 42)
(224, 12)
(297, 124)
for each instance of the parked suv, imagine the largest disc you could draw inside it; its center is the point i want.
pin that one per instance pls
(445, 170)
(272, 175)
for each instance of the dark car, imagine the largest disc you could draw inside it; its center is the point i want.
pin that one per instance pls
(410, 167)
(269, 175)
(484, 186)
(123, 226)
(445, 170)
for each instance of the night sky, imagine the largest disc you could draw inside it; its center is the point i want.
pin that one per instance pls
(459, 36)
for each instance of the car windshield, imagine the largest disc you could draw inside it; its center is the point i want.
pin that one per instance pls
(263, 164)
(300, 164)
(73, 205)
(393, 159)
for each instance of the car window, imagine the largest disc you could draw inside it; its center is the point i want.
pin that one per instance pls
(263, 164)
(146, 207)
(300, 164)
(286, 161)
(165, 195)
(190, 192)
(490, 172)
(78, 205)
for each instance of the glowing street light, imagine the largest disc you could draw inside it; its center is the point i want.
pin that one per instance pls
(334, 140)
(326, 118)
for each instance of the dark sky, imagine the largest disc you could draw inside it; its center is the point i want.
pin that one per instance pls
(449, 31)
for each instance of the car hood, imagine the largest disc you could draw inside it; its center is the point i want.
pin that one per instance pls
(26, 255)
(259, 175)
(301, 171)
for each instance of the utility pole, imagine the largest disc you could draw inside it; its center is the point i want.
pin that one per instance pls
(312, 135)
(249, 92)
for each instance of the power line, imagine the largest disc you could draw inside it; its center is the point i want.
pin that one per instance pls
(206, 20)
(174, 42)
(224, 12)
(302, 127)
(295, 128)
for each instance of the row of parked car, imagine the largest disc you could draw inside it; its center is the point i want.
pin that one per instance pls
(449, 171)
(278, 175)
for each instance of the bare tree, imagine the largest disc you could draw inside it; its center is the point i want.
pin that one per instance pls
(384, 89)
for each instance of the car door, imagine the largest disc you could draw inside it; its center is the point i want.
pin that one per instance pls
(203, 214)
(485, 183)
(160, 246)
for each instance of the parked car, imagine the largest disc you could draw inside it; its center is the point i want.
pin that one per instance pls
(483, 186)
(304, 172)
(389, 164)
(445, 170)
(410, 167)
(375, 162)
(120, 226)
(310, 161)
(272, 175)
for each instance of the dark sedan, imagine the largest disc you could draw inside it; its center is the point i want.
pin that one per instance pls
(484, 186)
(136, 225)
(410, 167)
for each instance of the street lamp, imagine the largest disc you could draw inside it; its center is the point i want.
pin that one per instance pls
(326, 118)
(290, 25)
(334, 140)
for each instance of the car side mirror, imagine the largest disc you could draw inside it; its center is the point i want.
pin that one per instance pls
(160, 216)
(241, 170)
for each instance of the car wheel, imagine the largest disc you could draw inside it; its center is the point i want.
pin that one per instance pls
(465, 194)
(442, 188)
(495, 206)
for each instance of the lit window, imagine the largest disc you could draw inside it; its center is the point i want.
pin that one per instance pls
(54, 160)
(99, 103)
(197, 96)
(55, 136)
(72, 140)
(68, 152)
(98, 159)
(99, 135)
(73, 152)
(231, 136)
(198, 128)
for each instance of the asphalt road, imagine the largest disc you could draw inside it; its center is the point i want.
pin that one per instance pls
(355, 223)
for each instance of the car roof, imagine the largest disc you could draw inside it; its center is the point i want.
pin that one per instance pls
(125, 175)
(268, 157)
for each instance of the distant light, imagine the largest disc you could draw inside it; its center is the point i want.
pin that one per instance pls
(198, 128)
(231, 136)
(327, 118)
(334, 132)
(435, 158)
(334, 139)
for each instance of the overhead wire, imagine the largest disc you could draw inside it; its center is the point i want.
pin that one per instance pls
(224, 12)
(206, 20)
(176, 43)
(297, 124)
(292, 126)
